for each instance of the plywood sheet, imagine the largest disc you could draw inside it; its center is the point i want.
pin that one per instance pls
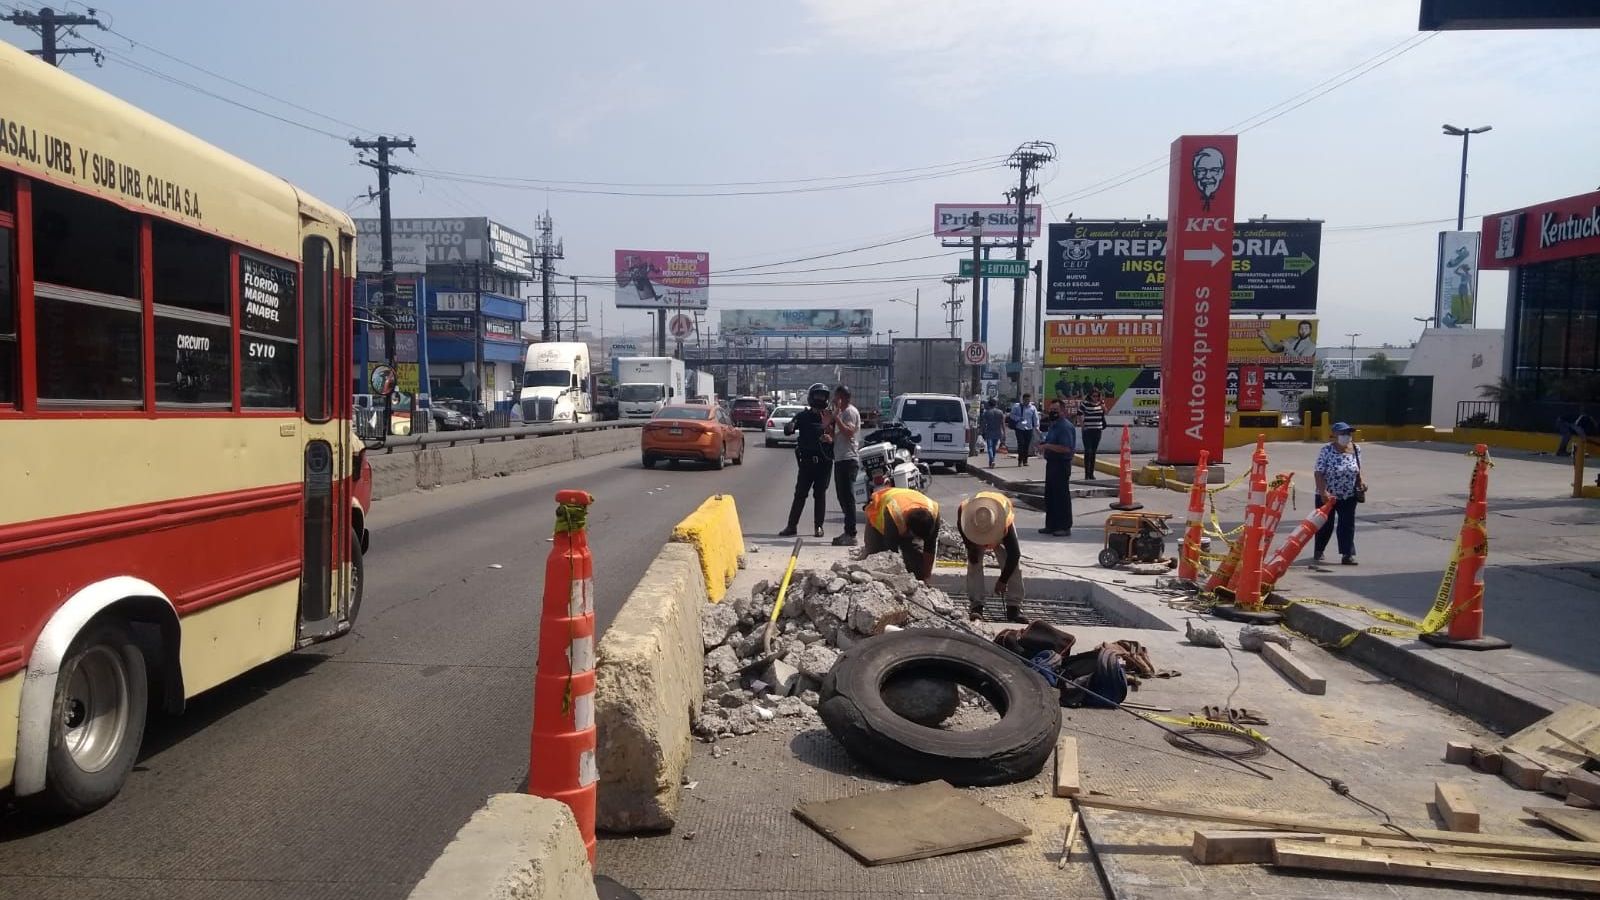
(909, 823)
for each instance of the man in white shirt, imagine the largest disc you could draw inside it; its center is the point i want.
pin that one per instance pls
(843, 424)
(1025, 420)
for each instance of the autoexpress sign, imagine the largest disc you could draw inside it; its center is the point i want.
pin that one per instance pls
(1120, 267)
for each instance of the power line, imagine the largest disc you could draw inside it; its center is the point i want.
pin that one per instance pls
(46, 22)
(490, 181)
(980, 162)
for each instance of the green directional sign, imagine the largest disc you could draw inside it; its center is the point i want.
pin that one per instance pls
(1301, 264)
(997, 268)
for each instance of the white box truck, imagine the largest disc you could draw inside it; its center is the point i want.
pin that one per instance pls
(647, 383)
(555, 383)
(702, 387)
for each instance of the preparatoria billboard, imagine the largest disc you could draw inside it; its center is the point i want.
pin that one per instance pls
(1120, 267)
(1281, 343)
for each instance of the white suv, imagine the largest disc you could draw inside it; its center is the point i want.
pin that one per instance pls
(939, 423)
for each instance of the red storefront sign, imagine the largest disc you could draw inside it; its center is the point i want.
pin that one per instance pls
(1252, 388)
(1560, 229)
(1196, 298)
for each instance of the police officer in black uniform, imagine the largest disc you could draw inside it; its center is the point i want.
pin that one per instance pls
(813, 457)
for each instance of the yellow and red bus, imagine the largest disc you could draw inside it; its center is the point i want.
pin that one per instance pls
(181, 492)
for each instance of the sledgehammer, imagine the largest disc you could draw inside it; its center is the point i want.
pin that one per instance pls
(783, 591)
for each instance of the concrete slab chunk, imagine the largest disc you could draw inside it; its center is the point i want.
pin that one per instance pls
(517, 847)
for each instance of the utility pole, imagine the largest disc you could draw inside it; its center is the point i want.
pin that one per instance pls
(1038, 310)
(1352, 335)
(1025, 159)
(549, 249)
(916, 315)
(46, 21)
(953, 306)
(384, 144)
(979, 283)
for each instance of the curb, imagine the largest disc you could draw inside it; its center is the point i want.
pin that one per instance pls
(515, 845)
(988, 476)
(1491, 701)
(714, 531)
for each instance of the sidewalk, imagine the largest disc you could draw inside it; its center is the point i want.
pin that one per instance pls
(1542, 582)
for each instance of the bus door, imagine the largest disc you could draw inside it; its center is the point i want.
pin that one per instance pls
(326, 447)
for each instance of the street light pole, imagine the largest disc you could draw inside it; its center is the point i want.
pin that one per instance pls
(1466, 138)
(1352, 335)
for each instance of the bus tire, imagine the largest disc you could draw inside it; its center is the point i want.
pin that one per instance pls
(97, 721)
(358, 576)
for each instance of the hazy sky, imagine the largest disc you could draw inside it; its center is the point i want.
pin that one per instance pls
(696, 92)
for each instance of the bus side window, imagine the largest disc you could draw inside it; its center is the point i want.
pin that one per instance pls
(194, 325)
(318, 296)
(88, 309)
(8, 293)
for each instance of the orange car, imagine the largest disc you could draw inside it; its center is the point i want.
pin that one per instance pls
(702, 433)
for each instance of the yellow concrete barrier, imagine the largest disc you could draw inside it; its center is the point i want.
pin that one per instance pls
(714, 531)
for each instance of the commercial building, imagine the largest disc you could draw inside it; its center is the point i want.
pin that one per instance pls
(459, 326)
(1553, 302)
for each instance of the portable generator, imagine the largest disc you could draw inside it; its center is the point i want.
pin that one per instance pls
(1135, 537)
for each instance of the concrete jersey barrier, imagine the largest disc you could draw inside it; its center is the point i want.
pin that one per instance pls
(416, 467)
(516, 847)
(714, 531)
(648, 683)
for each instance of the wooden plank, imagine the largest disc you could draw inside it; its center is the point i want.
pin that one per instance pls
(1584, 784)
(1535, 742)
(1301, 674)
(1553, 783)
(1520, 770)
(1576, 802)
(1458, 752)
(1070, 839)
(1487, 761)
(1067, 767)
(1422, 865)
(1455, 807)
(1289, 821)
(1397, 844)
(1228, 848)
(1583, 824)
(1577, 745)
(903, 824)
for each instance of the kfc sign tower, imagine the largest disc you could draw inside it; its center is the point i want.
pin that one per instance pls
(1195, 301)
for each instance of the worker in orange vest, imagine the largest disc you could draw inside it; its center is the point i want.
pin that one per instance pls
(987, 521)
(898, 519)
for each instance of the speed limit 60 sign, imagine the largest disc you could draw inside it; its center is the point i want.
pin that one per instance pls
(975, 354)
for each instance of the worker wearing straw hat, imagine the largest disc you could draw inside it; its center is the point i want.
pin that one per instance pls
(987, 522)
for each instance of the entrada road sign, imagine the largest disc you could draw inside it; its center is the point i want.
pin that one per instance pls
(997, 268)
(681, 326)
(976, 354)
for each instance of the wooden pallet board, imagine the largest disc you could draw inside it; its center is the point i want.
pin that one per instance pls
(902, 824)
(1583, 824)
(1423, 865)
(1575, 721)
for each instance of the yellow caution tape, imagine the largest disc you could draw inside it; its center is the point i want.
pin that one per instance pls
(1201, 723)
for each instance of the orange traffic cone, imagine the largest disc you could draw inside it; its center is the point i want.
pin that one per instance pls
(1189, 555)
(561, 759)
(1125, 474)
(1463, 577)
(1271, 515)
(1281, 560)
(1247, 585)
(1222, 578)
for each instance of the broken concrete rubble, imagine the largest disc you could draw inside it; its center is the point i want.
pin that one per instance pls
(826, 611)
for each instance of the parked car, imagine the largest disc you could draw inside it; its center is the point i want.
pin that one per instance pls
(749, 412)
(446, 418)
(776, 421)
(938, 423)
(470, 410)
(697, 433)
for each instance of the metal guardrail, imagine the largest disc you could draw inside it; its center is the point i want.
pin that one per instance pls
(414, 442)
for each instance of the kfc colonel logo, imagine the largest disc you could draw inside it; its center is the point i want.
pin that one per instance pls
(1208, 167)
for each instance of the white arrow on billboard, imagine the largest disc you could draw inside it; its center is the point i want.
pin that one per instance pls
(1212, 255)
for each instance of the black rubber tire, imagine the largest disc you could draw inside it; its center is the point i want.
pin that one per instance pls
(1013, 749)
(771, 442)
(69, 790)
(649, 462)
(739, 460)
(960, 468)
(358, 576)
(722, 457)
(1110, 558)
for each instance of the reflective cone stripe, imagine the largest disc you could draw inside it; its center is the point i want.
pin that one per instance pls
(1281, 560)
(1189, 554)
(1227, 572)
(561, 758)
(1247, 594)
(1466, 597)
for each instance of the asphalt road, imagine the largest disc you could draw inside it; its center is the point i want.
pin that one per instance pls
(342, 771)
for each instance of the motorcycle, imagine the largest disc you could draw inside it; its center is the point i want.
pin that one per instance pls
(889, 459)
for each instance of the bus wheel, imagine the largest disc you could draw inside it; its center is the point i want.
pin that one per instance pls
(358, 576)
(97, 721)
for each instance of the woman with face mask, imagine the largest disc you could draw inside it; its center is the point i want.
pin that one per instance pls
(1339, 478)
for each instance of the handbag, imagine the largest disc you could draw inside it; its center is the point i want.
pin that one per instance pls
(1361, 482)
